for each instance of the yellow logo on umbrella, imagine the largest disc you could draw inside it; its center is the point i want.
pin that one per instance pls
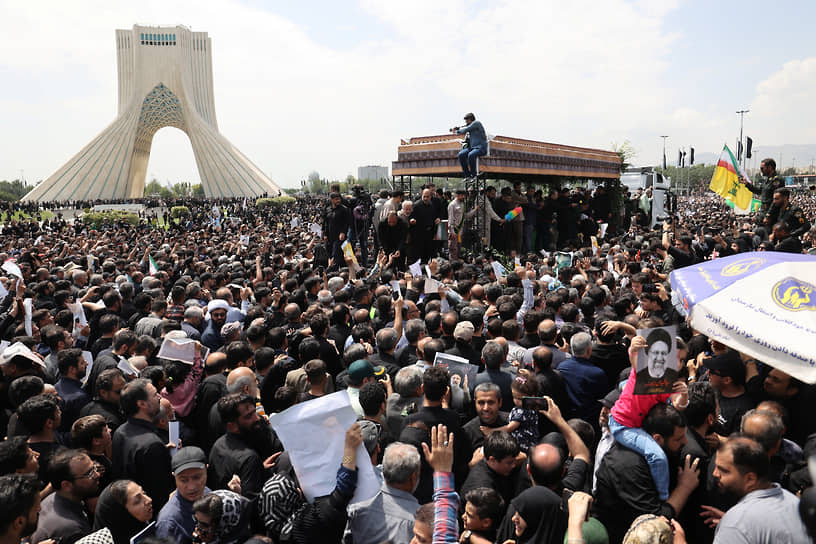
(794, 295)
(742, 266)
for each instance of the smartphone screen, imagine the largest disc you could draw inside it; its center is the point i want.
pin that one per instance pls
(534, 403)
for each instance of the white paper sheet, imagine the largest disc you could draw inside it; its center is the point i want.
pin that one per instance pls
(395, 287)
(12, 268)
(317, 229)
(294, 222)
(431, 286)
(602, 230)
(88, 356)
(314, 435)
(416, 268)
(178, 349)
(27, 310)
(3, 291)
(79, 313)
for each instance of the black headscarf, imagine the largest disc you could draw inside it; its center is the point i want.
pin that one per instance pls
(115, 516)
(540, 508)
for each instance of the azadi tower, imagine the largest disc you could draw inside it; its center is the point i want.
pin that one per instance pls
(165, 79)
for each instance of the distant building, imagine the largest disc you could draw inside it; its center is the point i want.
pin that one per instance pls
(372, 172)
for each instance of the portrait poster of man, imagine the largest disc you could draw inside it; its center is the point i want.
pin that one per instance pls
(657, 365)
(462, 373)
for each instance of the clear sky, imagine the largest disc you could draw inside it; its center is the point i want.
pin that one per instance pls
(330, 86)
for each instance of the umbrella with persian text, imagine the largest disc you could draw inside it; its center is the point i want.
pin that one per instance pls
(762, 304)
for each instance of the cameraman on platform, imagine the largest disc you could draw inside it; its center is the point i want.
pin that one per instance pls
(476, 144)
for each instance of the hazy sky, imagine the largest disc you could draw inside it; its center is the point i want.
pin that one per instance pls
(330, 86)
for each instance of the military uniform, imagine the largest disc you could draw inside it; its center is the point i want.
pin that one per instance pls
(766, 192)
(793, 216)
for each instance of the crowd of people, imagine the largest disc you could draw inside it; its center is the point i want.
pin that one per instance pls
(547, 441)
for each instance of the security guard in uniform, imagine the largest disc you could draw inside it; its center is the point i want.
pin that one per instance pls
(783, 211)
(773, 181)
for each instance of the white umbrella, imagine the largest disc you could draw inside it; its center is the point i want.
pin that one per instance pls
(762, 304)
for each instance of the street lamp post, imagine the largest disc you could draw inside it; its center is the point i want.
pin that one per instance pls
(741, 113)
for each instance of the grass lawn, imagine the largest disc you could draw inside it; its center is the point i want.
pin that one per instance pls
(44, 214)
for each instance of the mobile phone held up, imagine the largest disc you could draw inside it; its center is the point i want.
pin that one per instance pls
(534, 403)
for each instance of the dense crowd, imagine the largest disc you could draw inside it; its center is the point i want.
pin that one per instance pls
(364, 294)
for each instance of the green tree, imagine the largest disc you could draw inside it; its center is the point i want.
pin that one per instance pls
(13, 190)
(156, 188)
(181, 189)
(197, 190)
(626, 152)
(314, 184)
(695, 178)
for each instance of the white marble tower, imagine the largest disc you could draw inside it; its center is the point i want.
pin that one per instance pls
(165, 79)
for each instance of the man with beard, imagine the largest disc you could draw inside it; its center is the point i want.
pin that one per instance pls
(211, 337)
(138, 452)
(765, 512)
(19, 506)
(232, 453)
(625, 486)
(488, 401)
(424, 219)
(74, 478)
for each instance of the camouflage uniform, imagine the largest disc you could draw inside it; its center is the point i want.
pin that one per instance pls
(766, 193)
(793, 216)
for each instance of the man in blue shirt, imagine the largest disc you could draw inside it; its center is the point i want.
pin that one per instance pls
(586, 383)
(477, 145)
(175, 519)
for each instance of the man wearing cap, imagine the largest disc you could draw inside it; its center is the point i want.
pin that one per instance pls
(175, 520)
(456, 222)
(726, 373)
(462, 347)
(211, 337)
(476, 144)
(361, 372)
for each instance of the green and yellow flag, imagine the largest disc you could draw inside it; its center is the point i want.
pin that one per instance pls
(725, 181)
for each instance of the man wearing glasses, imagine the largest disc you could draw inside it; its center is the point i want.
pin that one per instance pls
(74, 477)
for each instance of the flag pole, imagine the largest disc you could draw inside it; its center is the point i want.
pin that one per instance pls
(740, 148)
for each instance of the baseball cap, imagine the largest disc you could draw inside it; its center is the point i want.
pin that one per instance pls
(727, 364)
(463, 331)
(371, 434)
(188, 457)
(611, 398)
(362, 369)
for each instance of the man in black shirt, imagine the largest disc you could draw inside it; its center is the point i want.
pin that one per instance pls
(231, 454)
(726, 374)
(680, 250)
(424, 218)
(109, 386)
(625, 486)
(138, 452)
(435, 383)
(497, 469)
(488, 400)
(336, 223)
